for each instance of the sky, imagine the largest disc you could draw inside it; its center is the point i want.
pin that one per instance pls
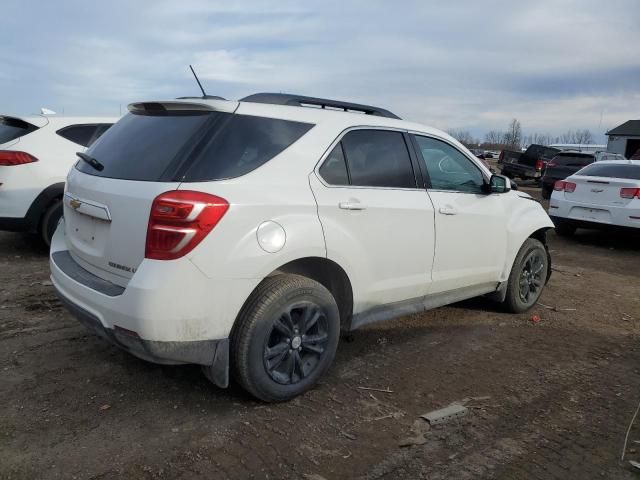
(472, 65)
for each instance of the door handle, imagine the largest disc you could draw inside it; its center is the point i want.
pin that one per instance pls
(448, 210)
(352, 205)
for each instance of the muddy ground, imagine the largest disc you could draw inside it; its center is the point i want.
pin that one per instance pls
(553, 399)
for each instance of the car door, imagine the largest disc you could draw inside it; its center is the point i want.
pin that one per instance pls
(377, 223)
(471, 226)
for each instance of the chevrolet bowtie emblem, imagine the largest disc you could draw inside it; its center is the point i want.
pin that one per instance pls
(75, 204)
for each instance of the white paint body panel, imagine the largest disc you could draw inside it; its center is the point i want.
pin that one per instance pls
(399, 248)
(21, 184)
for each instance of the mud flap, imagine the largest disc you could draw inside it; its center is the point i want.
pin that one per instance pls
(218, 372)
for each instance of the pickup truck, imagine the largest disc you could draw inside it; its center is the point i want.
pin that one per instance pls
(529, 164)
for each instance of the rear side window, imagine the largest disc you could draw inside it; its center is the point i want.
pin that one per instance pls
(378, 158)
(243, 144)
(334, 168)
(618, 170)
(12, 128)
(85, 134)
(576, 160)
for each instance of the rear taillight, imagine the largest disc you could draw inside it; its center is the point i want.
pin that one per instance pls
(564, 186)
(9, 158)
(539, 164)
(179, 220)
(630, 193)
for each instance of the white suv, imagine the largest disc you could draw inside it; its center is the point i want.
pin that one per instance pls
(246, 235)
(35, 155)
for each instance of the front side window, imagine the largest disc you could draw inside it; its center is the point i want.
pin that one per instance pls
(448, 168)
(378, 158)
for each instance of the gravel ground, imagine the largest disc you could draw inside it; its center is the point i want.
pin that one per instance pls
(548, 399)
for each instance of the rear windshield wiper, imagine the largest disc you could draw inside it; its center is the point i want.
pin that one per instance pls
(91, 161)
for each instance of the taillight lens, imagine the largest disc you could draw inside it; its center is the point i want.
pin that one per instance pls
(10, 158)
(539, 164)
(562, 185)
(630, 193)
(179, 220)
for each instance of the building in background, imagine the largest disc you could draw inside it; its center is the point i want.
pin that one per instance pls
(625, 139)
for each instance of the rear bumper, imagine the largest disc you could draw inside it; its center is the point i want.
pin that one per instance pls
(586, 215)
(592, 225)
(200, 352)
(213, 354)
(518, 171)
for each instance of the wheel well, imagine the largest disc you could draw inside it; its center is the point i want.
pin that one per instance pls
(541, 234)
(330, 275)
(42, 202)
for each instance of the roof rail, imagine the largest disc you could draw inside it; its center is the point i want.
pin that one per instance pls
(302, 101)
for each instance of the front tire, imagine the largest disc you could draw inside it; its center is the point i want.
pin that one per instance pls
(50, 220)
(286, 338)
(528, 276)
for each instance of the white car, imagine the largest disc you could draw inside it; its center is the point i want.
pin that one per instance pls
(249, 234)
(603, 194)
(36, 154)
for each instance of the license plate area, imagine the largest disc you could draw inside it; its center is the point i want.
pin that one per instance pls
(590, 214)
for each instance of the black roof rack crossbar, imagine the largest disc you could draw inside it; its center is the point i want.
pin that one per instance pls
(301, 101)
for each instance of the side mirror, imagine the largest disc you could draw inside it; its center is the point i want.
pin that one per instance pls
(499, 184)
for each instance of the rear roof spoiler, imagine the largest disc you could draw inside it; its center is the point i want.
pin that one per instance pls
(302, 101)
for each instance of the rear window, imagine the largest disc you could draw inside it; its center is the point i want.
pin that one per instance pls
(189, 146)
(617, 170)
(12, 128)
(575, 160)
(83, 134)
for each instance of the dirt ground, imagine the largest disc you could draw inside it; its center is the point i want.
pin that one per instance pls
(551, 399)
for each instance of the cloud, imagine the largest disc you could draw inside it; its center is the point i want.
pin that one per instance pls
(471, 65)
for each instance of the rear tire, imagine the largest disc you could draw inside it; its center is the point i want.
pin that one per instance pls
(528, 276)
(50, 220)
(286, 338)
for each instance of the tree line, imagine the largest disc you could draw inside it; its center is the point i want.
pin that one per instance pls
(513, 138)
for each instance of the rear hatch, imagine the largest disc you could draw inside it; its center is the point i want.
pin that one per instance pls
(143, 155)
(600, 184)
(565, 164)
(154, 149)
